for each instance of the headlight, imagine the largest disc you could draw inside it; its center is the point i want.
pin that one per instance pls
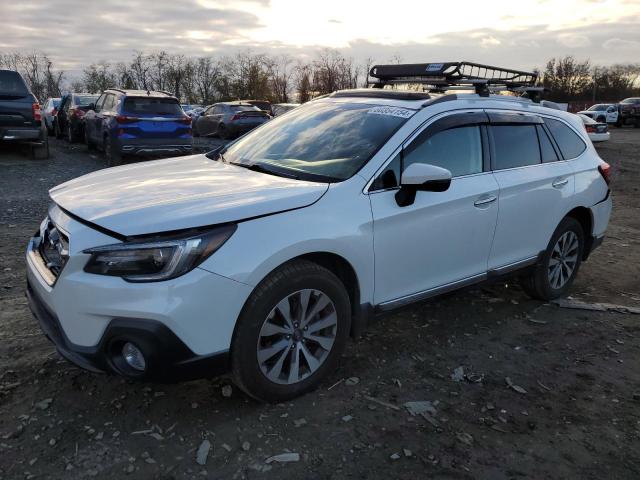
(157, 259)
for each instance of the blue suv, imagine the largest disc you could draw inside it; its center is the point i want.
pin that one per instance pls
(137, 122)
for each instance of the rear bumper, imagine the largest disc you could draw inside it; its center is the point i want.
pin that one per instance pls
(168, 358)
(20, 133)
(153, 149)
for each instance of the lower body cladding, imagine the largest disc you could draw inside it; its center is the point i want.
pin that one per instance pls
(167, 331)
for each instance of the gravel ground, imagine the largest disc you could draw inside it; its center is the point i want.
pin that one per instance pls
(571, 411)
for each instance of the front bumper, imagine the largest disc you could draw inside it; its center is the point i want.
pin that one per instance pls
(168, 358)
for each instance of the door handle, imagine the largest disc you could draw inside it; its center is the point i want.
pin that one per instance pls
(560, 183)
(485, 200)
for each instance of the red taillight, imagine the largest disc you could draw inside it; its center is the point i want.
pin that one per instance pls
(186, 120)
(76, 112)
(54, 112)
(591, 128)
(125, 119)
(605, 171)
(235, 117)
(37, 114)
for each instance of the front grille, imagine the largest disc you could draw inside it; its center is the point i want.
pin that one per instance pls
(53, 248)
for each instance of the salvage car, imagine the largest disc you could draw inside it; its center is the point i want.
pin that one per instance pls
(629, 112)
(68, 122)
(597, 131)
(137, 123)
(263, 256)
(602, 112)
(20, 114)
(229, 119)
(49, 112)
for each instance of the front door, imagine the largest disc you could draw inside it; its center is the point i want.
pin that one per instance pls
(443, 239)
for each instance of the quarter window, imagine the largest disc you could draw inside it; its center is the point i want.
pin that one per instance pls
(459, 150)
(390, 176)
(570, 143)
(514, 146)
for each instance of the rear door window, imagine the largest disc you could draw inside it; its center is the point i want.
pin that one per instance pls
(152, 106)
(84, 100)
(570, 143)
(514, 146)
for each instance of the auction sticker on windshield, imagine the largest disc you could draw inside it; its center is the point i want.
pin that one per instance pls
(392, 111)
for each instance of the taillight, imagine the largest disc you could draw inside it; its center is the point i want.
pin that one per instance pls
(125, 119)
(235, 117)
(591, 129)
(76, 112)
(186, 120)
(605, 170)
(37, 114)
(54, 112)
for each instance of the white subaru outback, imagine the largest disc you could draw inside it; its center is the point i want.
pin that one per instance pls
(263, 257)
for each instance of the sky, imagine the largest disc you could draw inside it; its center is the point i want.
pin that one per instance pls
(519, 34)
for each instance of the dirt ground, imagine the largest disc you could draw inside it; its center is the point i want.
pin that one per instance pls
(573, 410)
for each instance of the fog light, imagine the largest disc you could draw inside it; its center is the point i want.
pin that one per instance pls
(133, 356)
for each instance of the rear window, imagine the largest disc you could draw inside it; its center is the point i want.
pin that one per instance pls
(152, 106)
(84, 100)
(631, 100)
(570, 143)
(515, 146)
(244, 108)
(11, 84)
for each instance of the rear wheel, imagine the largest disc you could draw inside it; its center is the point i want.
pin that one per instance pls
(40, 151)
(111, 152)
(559, 265)
(223, 131)
(291, 332)
(57, 130)
(90, 144)
(72, 136)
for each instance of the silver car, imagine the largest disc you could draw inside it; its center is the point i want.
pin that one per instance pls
(229, 119)
(49, 111)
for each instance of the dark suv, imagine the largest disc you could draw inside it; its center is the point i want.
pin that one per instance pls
(629, 112)
(138, 122)
(20, 115)
(69, 121)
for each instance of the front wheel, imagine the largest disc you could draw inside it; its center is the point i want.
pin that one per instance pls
(559, 265)
(291, 332)
(111, 152)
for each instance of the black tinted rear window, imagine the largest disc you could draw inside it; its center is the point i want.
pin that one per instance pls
(11, 83)
(152, 106)
(515, 146)
(243, 108)
(84, 100)
(570, 143)
(546, 148)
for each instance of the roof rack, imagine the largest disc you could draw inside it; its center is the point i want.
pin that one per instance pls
(440, 77)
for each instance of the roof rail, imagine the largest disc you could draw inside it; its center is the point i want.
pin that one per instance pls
(117, 90)
(166, 93)
(443, 76)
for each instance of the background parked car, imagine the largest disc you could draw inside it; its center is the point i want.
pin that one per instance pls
(20, 115)
(263, 105)
(598, 131)
(138, 122)
(69, 121)
(49, 111)
(629, 112)
(280, 108)
(230, 119)
(602, 112)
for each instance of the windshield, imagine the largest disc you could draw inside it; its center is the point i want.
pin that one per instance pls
(631, 100)
(319, 141)
(152, 106)
(598, 108)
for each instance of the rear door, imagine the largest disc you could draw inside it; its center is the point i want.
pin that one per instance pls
(205, 121)
(16, 102)
(536, 186)
(92, 122)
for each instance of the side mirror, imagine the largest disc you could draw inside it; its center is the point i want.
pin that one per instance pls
(421, 177)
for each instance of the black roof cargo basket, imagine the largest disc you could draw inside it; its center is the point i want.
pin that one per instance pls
(455, 75)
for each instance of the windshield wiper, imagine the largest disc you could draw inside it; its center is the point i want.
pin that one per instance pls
(256, 167)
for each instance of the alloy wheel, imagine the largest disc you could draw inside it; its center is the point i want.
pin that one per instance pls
(297, 336)
(563, 260)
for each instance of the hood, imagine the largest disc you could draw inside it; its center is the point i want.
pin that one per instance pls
(179, 193)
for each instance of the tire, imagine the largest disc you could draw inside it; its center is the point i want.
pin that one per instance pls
(113, 155)
(41, 152)
(256, 374)
(58, 132)
(91, 146)
(541, 284)
(222, 131)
